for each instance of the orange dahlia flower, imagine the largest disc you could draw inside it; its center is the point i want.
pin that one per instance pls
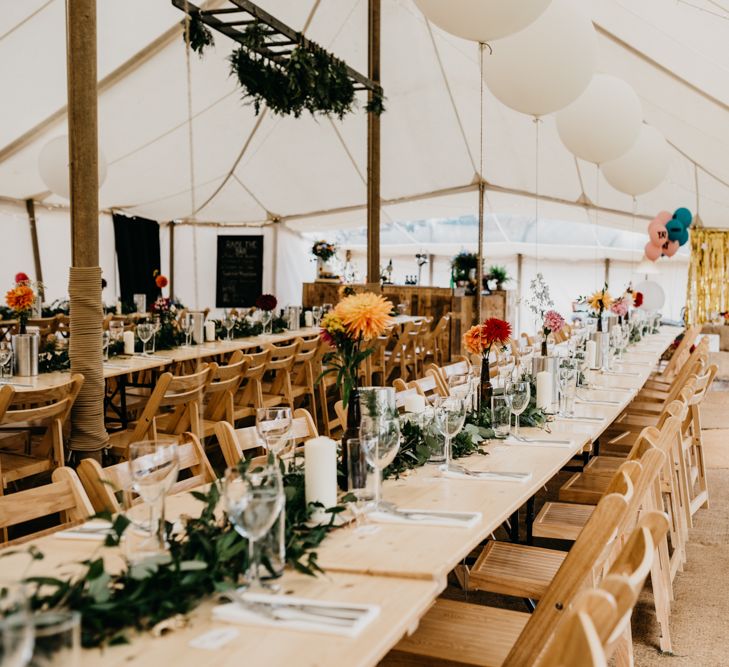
(20, 298)
(480, 337)
(365, 315)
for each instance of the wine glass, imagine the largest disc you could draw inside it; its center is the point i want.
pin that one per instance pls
(449, 417)
(105, 340)
(459, 386)
(228, 324)
(316, 315)
(380, 438)
(156, 327)
(16, 625)
(266, 320)
(253, 501)
(518, 393)
(274, 426)
(153, 466)
(567, 376)
(6, 356)
(145, 331)
(116, 329)
(187, 328)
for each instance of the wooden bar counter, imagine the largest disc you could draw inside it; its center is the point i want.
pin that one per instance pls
(428, 302)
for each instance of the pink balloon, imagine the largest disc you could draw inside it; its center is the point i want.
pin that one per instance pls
(652, 252)
(664, 216)
(670, 248)
(657, 232)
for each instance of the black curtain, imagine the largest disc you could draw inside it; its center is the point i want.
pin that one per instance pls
(137, 253)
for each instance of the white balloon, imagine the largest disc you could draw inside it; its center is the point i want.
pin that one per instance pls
(482, 20)
(547, 65)
(603, 122)
(53, 166)
(643, 167)
(653, 295)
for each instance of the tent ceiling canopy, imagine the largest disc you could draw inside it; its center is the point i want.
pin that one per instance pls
(311, 171)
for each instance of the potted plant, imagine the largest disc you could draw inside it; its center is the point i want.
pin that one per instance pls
(499, 275)
(462, 266)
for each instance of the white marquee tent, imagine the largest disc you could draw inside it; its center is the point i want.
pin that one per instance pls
(298, 178)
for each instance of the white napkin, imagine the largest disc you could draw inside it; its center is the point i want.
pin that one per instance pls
(417, 517)
(539, 443)
(234, 612)
(96, 529)
(485, 476)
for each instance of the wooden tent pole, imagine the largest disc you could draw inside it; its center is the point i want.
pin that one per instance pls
(88, 434)
(172, 259)
(373, 148)
(30, 207)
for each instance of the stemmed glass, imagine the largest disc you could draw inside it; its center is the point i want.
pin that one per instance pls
(187, 328)
(358, 473)
(105, 340)
(154, 466)
(145, 331)
(228, 324)
(156, 326)
(567, 376)
(6, 356)
(253, 501)
(16, 626)
(518, 394)
(116, 329)
(274, 426)
(380, 438)
(316, 314)
(450, 415)
(459, 386)
(267, 320)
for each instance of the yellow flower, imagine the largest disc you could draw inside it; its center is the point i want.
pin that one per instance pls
(601, 297)
(20, 298)
(331, 323)
(365, 315)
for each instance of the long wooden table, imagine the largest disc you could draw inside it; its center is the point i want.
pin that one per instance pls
(402, 568)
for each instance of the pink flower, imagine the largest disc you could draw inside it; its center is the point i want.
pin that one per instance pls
(553, 321)
(619, 308)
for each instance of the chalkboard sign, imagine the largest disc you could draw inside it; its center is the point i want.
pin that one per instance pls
(239, 279)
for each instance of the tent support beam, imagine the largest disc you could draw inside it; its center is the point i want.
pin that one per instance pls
(88, 432)
(172, 259)
(30, 207)
(479, 267)
(373, 147)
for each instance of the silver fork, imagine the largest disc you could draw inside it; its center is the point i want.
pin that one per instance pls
(344, 616)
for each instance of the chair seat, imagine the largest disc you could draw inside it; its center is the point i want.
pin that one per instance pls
(458, 633)
(561, 521)
(585, 487)
(604, 463)
(515, 569)
(19, 466)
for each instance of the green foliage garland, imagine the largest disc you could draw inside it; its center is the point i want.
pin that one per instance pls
(208, 556)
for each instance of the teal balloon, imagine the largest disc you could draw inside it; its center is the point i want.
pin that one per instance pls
(683, 237)
(675, 228)
(683, 215)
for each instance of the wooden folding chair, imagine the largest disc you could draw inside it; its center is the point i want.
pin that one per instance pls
(236, 442)
(64, 496)
(280, 364)
(45, 411)
(219, 397)
(461, 366)
(182, 395)
(304, 373)
(250, 393)
(106, 487)
(463, 633)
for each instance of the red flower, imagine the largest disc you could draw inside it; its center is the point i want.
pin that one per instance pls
(160, 281)
(496, 331)
(266, 302)
(21, 277)
(638, 299)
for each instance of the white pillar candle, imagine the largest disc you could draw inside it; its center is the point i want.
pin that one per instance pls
(544, 391)
(118, 307)
(128, 342)
(308, 319)
(591, 353)
(320, 472)
(210, 331)
(414, 404)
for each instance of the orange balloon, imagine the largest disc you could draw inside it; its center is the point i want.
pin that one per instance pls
(652, 252)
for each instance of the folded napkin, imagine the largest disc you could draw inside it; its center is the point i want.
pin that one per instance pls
(96, 529)
(536, 442)
(413, 517)
(487, 475)
(579, 418)
(301, 614)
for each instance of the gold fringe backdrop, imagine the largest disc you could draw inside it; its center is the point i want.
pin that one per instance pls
(708, 283)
